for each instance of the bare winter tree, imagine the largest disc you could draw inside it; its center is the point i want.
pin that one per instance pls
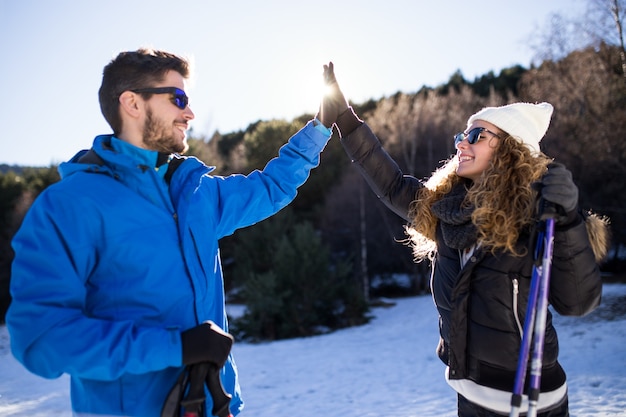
(397, 121)
(416, 129)
(556, 38)
(602, 22)
(618, 12)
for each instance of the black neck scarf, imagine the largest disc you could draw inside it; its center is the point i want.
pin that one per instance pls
(456, 223)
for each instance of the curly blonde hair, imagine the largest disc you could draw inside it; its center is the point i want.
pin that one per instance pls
(503, 199)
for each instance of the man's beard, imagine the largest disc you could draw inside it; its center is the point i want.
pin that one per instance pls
(159, 137)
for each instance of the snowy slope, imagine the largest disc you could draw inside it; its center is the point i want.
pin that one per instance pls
(387, 367)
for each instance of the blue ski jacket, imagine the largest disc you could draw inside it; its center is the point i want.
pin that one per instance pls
(112, 264)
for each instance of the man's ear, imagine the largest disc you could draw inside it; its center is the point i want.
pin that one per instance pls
(130, 104)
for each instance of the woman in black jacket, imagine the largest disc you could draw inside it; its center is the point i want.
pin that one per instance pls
(474, 219)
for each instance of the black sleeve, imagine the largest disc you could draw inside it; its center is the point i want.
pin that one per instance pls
(575, 281)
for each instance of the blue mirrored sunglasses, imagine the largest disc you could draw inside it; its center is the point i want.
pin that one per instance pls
(179, 98)
(472, 136)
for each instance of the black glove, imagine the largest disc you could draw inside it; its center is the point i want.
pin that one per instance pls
(333, 102)
(206, 343)
(557, 187)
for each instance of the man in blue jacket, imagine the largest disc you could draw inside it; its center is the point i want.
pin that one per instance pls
(117, 278)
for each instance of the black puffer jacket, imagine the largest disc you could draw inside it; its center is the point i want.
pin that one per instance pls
(482, 305)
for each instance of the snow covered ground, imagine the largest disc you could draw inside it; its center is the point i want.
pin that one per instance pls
(387, 367)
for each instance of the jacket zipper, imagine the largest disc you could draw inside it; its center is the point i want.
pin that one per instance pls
(515, 307)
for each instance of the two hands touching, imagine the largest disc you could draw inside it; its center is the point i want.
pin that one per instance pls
(335, 109)
(333, 102)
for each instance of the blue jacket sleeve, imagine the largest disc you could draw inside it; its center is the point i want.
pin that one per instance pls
(242, 200)
(51, 333)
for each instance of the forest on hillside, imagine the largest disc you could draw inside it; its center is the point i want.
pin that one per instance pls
(336, 246)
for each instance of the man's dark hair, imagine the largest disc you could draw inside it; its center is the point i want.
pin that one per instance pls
(133, 70)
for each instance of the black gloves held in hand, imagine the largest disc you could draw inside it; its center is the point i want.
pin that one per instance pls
(206, 343)
(557, 187)
(333, 102)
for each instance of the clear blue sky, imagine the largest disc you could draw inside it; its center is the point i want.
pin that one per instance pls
(252, 59)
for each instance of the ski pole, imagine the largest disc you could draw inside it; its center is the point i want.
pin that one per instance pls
(536, 313)
(187, 396)
(193, 405)
(540, 323)
(529, 322)
(221, 399)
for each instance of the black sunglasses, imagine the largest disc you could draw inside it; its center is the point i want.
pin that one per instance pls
(472, 136)
(179, 98)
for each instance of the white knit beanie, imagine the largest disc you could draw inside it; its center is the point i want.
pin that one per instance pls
(526, 122)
